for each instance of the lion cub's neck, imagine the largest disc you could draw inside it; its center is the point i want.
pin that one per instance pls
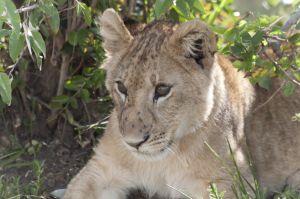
(226, 119)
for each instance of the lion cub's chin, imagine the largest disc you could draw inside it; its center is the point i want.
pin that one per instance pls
(154, 154)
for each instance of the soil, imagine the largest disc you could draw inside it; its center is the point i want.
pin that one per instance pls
(62, 158)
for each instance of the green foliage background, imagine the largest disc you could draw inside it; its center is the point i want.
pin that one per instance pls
(51, 53)
(37, 34)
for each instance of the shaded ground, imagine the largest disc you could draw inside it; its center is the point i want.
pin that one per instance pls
(61, 159)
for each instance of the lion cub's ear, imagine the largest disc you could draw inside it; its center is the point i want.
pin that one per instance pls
(196, 41)
(115, 34)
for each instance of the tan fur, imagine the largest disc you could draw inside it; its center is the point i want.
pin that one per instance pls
(206, 106)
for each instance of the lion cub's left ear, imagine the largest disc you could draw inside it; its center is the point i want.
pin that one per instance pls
(114, 32)
(193, 39)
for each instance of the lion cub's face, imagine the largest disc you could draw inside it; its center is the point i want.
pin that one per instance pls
(160, 81)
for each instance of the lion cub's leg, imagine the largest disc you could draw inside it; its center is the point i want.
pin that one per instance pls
(99, 179)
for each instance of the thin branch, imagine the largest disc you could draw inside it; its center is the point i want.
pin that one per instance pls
(67, 8)
(277, 38)
(87, 111)
(270, 98)
(248, 14)
(28, 8)
(275, 44)
(284, 71)
(272, 24)
(30, 97)
(291, 21)
(63, 74)
(12, 67)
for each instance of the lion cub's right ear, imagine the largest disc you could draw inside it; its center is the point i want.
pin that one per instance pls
(114, 32)
(193, 39)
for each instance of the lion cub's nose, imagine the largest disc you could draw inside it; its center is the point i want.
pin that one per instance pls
(137, 144)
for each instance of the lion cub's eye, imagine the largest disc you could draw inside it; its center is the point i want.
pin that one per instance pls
(161, 90)
(121, 88)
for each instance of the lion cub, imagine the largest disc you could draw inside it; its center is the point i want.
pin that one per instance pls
(175, 100)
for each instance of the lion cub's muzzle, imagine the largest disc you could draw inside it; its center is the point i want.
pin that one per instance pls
(137, 143)
(135, 129)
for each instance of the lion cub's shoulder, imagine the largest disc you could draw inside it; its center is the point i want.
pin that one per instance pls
(240, 91)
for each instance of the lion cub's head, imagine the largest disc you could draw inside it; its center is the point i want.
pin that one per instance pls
(160, 80)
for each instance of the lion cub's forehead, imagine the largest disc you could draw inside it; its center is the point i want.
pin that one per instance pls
(140, 65)
(147, 44)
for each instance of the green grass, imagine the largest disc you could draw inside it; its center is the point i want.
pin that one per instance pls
(242, 188)
(11, 186)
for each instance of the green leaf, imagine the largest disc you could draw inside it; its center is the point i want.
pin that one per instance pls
(295, 39)
(246, 38)
(86, 11)
(273, 2)
(35, 17)
(288, 89)
(265, 82)
(196, 5)
(230, 35)
(37, 42)
(57, 102)
(243, 65)
(5, 88)
(79, 37)
(75, 83)
(60, 2)
(257, 38)
(4, 33)
(74, 103)
(298, 26)
(237, 49)
(11, 14)
(52, 15)
(82, 36)
(183, 8)
(62, 99)
(98, 78)
(85, 95)
(73, 38)
(16, 45)
(2, 10)
(161, 6)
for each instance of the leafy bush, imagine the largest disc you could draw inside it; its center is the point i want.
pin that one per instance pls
(49, 33)
(51, 50)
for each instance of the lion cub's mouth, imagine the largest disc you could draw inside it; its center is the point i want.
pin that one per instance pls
(151, 152)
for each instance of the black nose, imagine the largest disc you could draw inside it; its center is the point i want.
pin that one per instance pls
(138, 144)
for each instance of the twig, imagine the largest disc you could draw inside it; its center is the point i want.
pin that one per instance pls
(87, 111)
(93, 3)
(291, 21)
(74, 19)
(25, 104)
(63, 74)
(272, 24)
(280, 39)
(131, 7)
(270, 98)
(30, 97)
(12, 67)
(284, 71)
(28, 8)
(275, 44)
(78, 67)
(67, 8)
(249, 13)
